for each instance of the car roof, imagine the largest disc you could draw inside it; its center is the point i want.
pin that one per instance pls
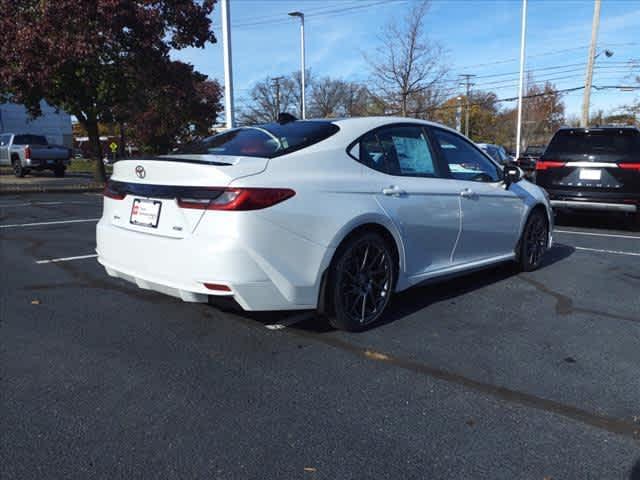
(359, 125)
(600, 127)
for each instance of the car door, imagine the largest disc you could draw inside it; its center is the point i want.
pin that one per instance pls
(4, 149)
(404, 176)
(491, 213)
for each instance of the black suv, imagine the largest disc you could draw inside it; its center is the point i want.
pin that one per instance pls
(593, 169)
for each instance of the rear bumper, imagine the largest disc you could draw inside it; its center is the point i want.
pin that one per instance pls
(44, 164)
(259, 275)
(595, 206)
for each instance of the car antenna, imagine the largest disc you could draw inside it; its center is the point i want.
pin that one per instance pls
(285, 117)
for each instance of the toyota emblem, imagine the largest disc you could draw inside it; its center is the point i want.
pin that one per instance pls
(140, 171)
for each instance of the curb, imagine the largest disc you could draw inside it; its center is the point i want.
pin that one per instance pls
(76, 188)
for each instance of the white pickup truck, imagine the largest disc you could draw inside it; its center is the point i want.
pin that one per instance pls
(25, 152)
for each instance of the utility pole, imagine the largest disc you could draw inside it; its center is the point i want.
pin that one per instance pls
(468, 84)
(228, 74)
(584, 122)
(276, 82)
(300, 15)
(523, 38)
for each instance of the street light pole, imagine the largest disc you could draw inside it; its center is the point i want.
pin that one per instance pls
(300, 15)
(228, 74)
(523, 37)
(584, 121)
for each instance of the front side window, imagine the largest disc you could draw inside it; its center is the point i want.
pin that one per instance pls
(465, 162)
(398, 150)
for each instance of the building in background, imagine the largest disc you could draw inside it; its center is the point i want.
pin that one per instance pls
(55, 125)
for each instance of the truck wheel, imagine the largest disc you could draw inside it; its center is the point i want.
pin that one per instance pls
(18, 170)
(59, 171)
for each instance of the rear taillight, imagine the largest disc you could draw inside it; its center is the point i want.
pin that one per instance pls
(630, 166)
(110, 191)
(217, 287)
(547, 164)
(239, 199)
(27, 152)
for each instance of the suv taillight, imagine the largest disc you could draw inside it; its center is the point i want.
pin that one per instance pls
(239, 199)
(547, 164)
(27, 152)
(630, 166)
(111, 192)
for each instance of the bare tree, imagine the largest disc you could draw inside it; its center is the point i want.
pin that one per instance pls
(327, 97)
(273, 95)
(407, 65)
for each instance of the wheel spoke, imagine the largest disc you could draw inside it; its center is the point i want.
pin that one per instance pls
(364, 260)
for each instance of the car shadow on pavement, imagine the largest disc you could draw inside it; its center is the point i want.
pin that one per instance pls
(415, 298)
(635, 471)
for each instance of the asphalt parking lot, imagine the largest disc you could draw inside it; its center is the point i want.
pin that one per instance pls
(494, 375)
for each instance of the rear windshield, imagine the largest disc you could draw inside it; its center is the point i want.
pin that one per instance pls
(29, 140)
(534, 150)
(269, 140)
(614, 145)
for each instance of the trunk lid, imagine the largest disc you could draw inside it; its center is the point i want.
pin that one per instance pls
(152, 187)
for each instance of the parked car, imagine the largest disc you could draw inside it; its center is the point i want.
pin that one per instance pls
(25, 152)
(329, 215)
(497, 152)
(593, 169)
(527, 161)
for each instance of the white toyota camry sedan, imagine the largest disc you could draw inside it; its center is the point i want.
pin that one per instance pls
(333, 215)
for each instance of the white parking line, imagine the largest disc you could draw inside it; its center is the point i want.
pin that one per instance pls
(65, 259)
(615, 252)
(57, 222)
(37, 204)
(572, 232)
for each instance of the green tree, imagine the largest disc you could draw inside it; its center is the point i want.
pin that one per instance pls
(94, 59)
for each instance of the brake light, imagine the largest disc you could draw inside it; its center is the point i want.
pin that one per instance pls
(630, 166)
(217, 287)
(547, 164)
(27, 152)
(111, 192)
(239, 199)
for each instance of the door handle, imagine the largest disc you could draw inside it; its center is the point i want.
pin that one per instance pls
(393, 191)
(467, 193)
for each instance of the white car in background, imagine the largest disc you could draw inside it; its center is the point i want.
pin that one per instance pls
(334, 215)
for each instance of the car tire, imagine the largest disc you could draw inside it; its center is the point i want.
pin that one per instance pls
(534, 241)
(59, 172)
(18, 170)
(361, 280)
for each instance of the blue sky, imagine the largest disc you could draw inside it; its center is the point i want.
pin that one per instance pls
(481, 37)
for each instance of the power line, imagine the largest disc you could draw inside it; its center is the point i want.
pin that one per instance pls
(547, 54)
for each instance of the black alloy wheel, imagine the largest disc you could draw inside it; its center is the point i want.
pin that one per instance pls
(363, 278)
(534, 241)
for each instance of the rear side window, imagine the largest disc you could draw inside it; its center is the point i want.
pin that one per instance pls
(398, 150)
(613, 145)
(269, 140)
(29, 140)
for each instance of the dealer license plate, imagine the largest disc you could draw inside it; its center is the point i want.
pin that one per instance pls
(145, 212)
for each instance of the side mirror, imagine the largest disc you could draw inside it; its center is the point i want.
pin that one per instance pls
(511, 174)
